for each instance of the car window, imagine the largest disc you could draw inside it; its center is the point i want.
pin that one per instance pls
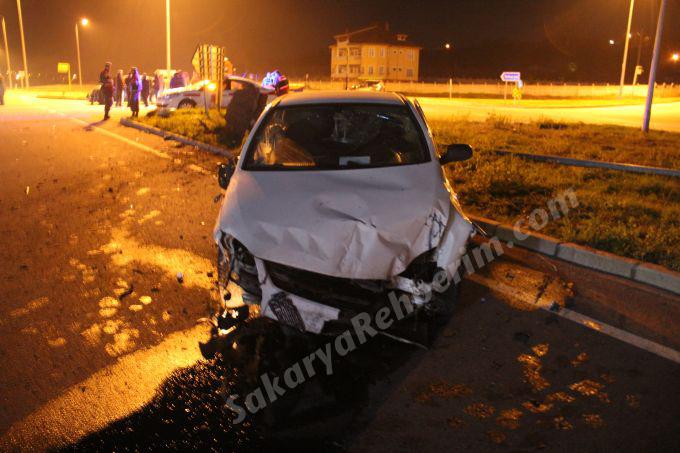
(335, 137)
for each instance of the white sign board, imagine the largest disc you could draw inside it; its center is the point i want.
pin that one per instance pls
(511, 76)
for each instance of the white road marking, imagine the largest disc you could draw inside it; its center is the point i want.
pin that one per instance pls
(593, 324)
(108, 395)
(126, 140)
(619, 334)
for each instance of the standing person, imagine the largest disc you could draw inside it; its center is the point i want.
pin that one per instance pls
(2, 90)
(157, 85)
(146, 89)
(178, 80)
(106, 89)
(128, 78)
(120, 86)
(135, 90)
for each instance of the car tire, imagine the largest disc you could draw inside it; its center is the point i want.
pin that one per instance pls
(186, 104)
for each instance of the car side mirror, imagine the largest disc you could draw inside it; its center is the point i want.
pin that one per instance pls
(224, 174)
(456, 153)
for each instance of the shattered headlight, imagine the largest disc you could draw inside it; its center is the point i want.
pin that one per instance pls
(422, 268)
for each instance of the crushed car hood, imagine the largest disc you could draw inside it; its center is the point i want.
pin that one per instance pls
(358, 223)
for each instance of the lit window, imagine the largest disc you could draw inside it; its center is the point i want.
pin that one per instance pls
(371, 52)
(370, 70)
(382, 52)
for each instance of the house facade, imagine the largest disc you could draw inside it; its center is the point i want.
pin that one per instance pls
(374, 53)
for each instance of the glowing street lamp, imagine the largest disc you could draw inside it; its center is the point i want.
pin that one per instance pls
(23, 44)
(653, 67)
(167, 36)
(447, 46)
(625, 48)
(611, 42)
(84, 22)
(675, 57)
(9, 68)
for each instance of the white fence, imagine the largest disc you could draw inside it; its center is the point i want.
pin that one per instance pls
(540, 90)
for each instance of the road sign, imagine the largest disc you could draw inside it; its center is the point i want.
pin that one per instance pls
(65, 68)
(508, 76)
(209, 63)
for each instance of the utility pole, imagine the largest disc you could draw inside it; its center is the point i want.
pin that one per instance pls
(625, 48)
(653, 67)
(167, 36)
(23, 44)
(9, 68)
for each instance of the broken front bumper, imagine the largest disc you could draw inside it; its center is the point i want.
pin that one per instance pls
(320, 303)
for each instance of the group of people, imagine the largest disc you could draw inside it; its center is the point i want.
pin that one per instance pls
(134, 88)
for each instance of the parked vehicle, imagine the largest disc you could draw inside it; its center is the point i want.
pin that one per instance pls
(369, 85)
(197, 94)
(96, 96)
(337, 200)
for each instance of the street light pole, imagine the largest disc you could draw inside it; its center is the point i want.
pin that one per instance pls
(23, 44)
(625, 48)
(80, 70)
(167, 36)
(9, 68)
(653, 67)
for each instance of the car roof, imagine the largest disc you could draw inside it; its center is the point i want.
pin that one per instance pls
(339, 97)
(242, 79)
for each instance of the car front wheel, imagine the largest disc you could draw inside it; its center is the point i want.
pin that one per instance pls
(186, 104)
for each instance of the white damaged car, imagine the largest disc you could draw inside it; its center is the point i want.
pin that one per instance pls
(338, 199)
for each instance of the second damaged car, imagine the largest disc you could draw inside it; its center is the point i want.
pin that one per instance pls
(336, 201)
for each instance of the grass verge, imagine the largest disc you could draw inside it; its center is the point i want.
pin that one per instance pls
(583, 141)
(192, 123)
(632, 215)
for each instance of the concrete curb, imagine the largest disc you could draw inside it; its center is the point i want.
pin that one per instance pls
(178, 138)
(639, 271)
(592, 163)
(62, 98)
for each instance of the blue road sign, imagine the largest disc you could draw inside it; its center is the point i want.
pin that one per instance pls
(511, 76)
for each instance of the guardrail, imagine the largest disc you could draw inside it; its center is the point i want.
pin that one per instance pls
(497, 89)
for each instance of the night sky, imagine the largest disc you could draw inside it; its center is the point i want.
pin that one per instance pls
(546, 39)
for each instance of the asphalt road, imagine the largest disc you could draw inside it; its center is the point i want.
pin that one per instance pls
(99, 339)
(665, 115)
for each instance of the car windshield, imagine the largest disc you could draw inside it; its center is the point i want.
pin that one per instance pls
(335, 137)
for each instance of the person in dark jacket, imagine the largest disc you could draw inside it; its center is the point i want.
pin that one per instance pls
(243, 108)
(106, 89)
(2, 90)
(135, 90)
(157, 85)
(178, 80)
(120, 87)
(146, 89)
